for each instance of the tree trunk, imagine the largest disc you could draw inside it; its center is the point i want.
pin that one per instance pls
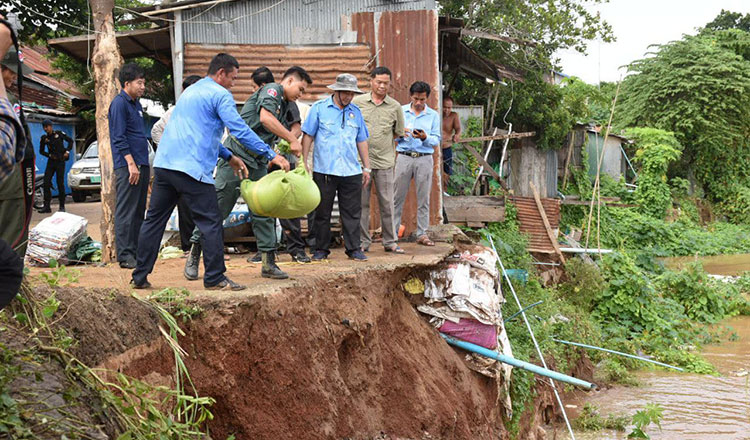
(106, 61)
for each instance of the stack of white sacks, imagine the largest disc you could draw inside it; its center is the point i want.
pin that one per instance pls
(53, 237)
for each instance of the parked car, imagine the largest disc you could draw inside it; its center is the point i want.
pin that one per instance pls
(85, 177)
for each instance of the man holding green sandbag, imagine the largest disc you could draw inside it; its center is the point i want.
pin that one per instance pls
(263, 112)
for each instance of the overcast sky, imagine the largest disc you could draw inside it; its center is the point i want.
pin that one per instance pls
(638, 24)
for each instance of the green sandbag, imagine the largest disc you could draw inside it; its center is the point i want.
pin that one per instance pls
(282, 195)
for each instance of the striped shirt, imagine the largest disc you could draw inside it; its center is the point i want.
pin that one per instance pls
(11, 137)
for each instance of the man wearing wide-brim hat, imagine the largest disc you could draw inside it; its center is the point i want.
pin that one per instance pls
(9, 71)
(340, 135)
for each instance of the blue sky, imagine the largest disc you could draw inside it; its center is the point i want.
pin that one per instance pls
(638, 24)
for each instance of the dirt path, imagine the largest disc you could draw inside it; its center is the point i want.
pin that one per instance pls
(168, 273)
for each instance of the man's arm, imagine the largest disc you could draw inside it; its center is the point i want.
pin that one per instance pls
(456, 127)
(364, 156)
(273, 125)
(44, 146)
(10, 129)
(296, 130)
(398, 130)
(307, 141)
(158, 129)
(118, 120)
(227, 112)
(433, 137)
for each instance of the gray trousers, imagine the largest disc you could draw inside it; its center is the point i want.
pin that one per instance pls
(382, 181)
(419, 169)
(130, 209)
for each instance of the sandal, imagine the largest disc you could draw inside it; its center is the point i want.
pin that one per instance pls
(425, 241)
(396, 249)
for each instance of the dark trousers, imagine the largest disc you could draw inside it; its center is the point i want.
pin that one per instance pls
(129, 209)
(186, 223)
(168, 187)
(56, 168)
(349, 191)
(11, 273)
(293, 232)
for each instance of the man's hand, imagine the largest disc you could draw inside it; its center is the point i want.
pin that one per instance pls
(419, 134)
(365, 178)
(295, 147)
(135, 173)
(456, 137)
(240, 170)
(66, 155)
(281, 162)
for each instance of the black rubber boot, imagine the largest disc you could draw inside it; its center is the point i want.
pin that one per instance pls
(270, 269)
(45, 209)
(191, 265)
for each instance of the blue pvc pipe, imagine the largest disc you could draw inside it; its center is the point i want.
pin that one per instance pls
(478, 349)
(632, 356)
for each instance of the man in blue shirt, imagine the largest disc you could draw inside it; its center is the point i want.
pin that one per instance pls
(130, 161)
(187, 155)
(415, 161)
(339, 131)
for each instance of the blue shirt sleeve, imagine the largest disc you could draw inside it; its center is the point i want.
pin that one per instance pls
(362, 134)
(433, 137)
(227, 111)
(118, 122)
(310, 127)
(224, 153)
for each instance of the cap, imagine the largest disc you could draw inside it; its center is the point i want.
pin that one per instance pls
(345, 82)
(11, 62)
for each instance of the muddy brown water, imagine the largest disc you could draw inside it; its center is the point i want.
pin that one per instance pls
(696, 407)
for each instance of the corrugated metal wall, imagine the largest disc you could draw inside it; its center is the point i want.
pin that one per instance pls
(260, 22)
(323, 63)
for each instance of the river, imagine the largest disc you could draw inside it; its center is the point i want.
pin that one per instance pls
(696, 407)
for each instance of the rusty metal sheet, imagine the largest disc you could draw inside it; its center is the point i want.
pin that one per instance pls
(531, 224)
(323, 63)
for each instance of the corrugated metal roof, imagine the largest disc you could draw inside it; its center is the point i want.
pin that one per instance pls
(530, 221)
(323, 63)
(271, 22)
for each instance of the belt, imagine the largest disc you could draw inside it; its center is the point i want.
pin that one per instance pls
(414, 153)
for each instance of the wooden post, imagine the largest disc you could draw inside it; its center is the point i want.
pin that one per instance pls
(487, 166)
(547, 226)
(106, 60)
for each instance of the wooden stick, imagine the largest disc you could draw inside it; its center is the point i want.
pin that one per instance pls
(497, 137)
(567, 159)
(547, 226)
(487, 166)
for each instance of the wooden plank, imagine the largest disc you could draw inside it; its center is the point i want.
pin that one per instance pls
(480, 214)
(497, 137)
(487, 167)
(550, 234)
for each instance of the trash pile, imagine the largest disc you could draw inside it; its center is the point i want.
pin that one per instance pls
(463, 299)
(54, 237)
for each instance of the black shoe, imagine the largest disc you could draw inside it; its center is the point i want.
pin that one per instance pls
(143, 285)
(300, 257)
(257, 258)
(191, 265)
(357, 255)
(320, 256)
(61, 209)
(128, 264)
(270, 269)
(45, 210)
(225, 284)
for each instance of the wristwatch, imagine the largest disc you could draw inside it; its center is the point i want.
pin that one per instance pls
(367, 170)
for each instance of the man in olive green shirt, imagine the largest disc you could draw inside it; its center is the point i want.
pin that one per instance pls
(264, 112)
(385, 122)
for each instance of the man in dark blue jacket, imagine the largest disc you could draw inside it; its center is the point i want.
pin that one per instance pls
(130, 160)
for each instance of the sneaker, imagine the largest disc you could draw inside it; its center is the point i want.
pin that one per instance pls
(128, 264)
(357, 255)
(191, 265)
(225, 284)
(320, 256)
(142, 285)
(300, 257)
(257, 258)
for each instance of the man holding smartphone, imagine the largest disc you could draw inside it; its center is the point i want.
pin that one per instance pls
(415, 150)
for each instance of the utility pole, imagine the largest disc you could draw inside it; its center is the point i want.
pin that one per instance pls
(106, 61)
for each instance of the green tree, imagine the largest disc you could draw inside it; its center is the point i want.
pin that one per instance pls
(698, 88)
(729, 20)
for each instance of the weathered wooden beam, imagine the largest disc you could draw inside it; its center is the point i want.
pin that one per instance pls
(487, 166)
(547, 226)
(497, 137)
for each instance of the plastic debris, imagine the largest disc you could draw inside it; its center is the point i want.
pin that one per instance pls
(169, 252)
(53, 238)
(414, 286)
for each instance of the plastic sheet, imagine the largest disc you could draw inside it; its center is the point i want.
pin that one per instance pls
(53, 238)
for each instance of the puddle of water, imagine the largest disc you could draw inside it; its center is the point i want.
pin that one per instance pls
(718, 265)
(696, 407)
